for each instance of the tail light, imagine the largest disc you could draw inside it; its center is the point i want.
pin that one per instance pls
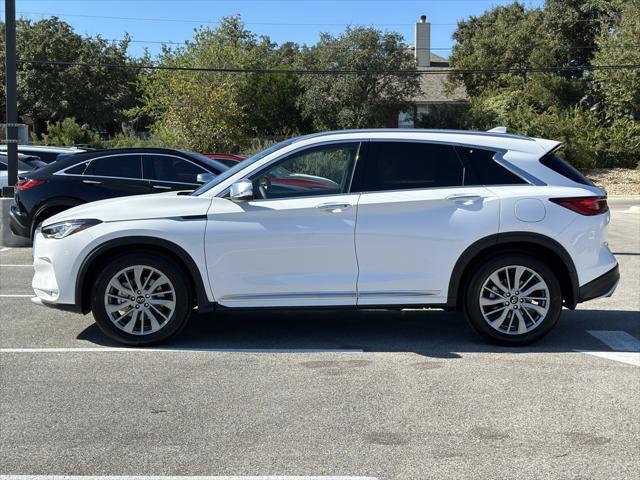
(27, 183)
(584, 205)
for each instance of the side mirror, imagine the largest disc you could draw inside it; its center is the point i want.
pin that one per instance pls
(205, 177)
(241, 191)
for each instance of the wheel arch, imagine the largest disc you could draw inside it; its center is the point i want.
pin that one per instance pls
(92, 263)
(554, 254)
(56, 204)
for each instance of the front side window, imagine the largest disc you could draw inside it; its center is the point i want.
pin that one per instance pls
(407, 165)
(170, 169)
(322, 170)
(119, 166)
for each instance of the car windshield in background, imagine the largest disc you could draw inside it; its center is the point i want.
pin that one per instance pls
(214, 164)
(245, 163)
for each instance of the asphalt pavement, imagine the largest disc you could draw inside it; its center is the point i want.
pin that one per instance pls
(391, 395)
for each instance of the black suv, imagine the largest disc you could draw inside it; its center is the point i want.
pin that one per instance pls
(101, 174)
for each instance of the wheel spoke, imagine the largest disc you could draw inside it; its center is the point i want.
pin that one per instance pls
(161, 280)
(498, 283)
(117, 307)
(500, 320)
(155, 325)
(164, 303)
(538, 286)
(522, 325)
(518, 276)
(132, 322)
(537, 308)
(137, 276)
(489, 301)
(115, 283)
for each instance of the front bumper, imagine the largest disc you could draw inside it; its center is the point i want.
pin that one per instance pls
(603, 286)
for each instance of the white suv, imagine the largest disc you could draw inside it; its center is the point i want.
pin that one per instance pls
(494, 225)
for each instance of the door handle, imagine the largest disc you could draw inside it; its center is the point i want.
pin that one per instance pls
(334, 207)
(464, 199)
(161, 187)
(91, 182)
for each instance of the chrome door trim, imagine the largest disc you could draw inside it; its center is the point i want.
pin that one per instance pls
(398, 293)
(288, 296)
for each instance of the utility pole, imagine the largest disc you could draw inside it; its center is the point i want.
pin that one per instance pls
(12, 107)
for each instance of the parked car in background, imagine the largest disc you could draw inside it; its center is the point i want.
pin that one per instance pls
(101, 174)
(45, 153)
(228, 159)
(491, 224)
(4, 162)
(30, 160)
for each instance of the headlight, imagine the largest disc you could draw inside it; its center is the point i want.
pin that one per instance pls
(66, 228)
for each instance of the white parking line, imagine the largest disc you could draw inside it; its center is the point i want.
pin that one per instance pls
(16, 265)
(5, 249)
(178, 350)
(626, 347)
(16, 295)
(144, 477)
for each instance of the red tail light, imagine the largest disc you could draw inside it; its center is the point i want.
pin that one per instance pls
(27, 183)
(584, 205)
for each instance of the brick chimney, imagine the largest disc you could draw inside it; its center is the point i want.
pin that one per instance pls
(423, 42)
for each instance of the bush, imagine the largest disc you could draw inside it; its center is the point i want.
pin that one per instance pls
(68, 132)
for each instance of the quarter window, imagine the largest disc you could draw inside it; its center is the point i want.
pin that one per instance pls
(322, 170)
(407, 165)
(119, 166)
(167, 168)
(482, 169)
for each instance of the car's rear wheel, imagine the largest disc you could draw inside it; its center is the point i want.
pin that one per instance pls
(513, 299)
(141, 299)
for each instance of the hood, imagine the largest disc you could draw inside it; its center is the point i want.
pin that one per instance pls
(139, 207)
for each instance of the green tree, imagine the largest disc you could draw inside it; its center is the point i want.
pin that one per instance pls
(98, 97)
(620, 89)
(366, 99)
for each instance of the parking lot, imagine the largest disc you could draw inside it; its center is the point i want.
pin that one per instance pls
(392, 395)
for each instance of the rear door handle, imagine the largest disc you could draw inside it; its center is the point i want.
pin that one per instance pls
(162, 187)
(334, 207)
(91, 182)
(464, 199)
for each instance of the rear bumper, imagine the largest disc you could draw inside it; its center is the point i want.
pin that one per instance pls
(603, 286)
(18, 222)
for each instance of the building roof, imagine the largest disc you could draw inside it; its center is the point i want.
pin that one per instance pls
(433, 87)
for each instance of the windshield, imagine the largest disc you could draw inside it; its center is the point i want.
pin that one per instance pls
(241, 166)
(213, 164)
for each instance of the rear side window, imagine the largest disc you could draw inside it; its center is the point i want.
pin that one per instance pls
(77, 170)
(407, 165)
(482, 169)
(119, 166)
(558, 165)
(170, 169)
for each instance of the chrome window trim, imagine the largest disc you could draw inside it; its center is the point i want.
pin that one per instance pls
(498, 158)
(142, 179)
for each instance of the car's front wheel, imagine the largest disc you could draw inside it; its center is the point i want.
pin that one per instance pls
(513, 299)
(141, 299)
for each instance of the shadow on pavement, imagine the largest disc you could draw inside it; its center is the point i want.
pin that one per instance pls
(429, 333)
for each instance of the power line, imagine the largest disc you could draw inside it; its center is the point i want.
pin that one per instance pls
(439, 71)
(284, 24)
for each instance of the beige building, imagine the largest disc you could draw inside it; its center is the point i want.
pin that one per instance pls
(433, 87)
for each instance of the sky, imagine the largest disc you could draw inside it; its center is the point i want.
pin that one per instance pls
(150, 22)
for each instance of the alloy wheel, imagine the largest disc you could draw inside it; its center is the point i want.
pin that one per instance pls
(514, 300)
(140, 300)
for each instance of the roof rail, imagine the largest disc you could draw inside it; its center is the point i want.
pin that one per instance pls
(498, 130)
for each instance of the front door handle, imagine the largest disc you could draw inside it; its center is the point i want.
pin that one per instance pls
(162, 187)
(92, 182)
(334, 207)
(464, 199)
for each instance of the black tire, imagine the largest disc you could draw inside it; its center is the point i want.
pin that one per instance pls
(176, 321)
(474, 311)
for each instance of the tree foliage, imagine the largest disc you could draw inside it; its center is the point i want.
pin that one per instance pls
(595, 114)
(96, 96)
(363, 100)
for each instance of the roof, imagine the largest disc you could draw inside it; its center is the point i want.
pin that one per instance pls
(433, 87)
(46, 148)
(496, 140)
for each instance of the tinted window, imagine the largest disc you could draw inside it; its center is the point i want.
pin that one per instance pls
(319, 170)
(407, 165)
(3, 166)
(47, 157)
(170, 169)
(120, 166)
(482, 169)
(558, 165)
(77, 170)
